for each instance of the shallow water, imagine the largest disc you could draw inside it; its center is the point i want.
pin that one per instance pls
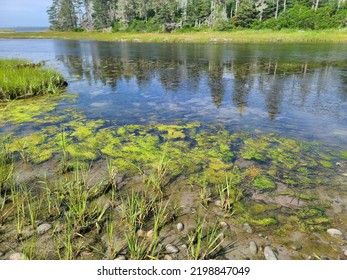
(296, 90)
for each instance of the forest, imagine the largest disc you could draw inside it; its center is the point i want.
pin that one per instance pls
(195, 15)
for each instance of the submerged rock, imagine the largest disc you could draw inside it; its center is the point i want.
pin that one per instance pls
(168, 258)
(149, 234)
(269, 254)
(223, 224)
(335, 233)
(295, 245)
(180, 226)
(253, 247)
(171, 248)
(42, 229)
(16, 257)
(247, 228)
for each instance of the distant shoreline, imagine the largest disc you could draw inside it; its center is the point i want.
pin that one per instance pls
(241, 36)
(22, 29)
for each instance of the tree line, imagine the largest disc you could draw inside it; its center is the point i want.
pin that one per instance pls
(186, 15)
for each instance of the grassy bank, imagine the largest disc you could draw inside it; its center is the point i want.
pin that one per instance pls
(242, 36)
(21, 78)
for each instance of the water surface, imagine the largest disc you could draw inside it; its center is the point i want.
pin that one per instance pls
(296, 90)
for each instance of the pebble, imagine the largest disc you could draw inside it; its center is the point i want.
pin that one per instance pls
(149, 233)
(269, 254)
(335, 233)
(42, 229)
(223, 224)
(171, 248)
(218, 203)
(120, 258)
(247, 228)
(221, 236)
(141, 233)
(253, 247)
(294, 245)
(180, 226)
(1, 254)
(345, 252)
(17, 256)
(168, 258)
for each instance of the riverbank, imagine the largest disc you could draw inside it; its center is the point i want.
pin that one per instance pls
(242, 36)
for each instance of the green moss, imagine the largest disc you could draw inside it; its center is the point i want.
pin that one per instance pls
(343, 154)
(264, 183)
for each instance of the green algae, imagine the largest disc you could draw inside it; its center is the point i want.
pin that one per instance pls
(264, 183)
(264, 222)
(326, 164)
(39, 110)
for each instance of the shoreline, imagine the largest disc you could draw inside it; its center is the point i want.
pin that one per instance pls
(244, 36)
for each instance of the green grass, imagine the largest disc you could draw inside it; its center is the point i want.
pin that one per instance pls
(21, 79)
(239, 36)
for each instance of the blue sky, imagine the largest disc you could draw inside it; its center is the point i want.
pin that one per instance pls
(14, 13)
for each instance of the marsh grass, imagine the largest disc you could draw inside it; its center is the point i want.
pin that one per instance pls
(235, 36)
(229, 192)
(205, 241)
(6, 168)
(21, 79)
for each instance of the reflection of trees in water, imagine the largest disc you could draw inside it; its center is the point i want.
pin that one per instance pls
(172, 67)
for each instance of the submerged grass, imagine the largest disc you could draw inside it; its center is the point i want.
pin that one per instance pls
(22, 78)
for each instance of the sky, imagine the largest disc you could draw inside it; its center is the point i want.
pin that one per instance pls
(24, 13)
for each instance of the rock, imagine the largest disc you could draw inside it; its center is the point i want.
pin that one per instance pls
(295, 245)
(149, 233)
(223, 224)
(247, 228)
(221, 236)
(180, 226)
(16, 257)
(171, 248)
(42, 229)
(1, 254)
(335, 233)
(253, 247)
(168, 258)
(141, 233)
(120, 258)
(269, 254)
(218, 203)
(345, 252)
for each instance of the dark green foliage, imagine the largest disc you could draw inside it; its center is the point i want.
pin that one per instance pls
(192, 15)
